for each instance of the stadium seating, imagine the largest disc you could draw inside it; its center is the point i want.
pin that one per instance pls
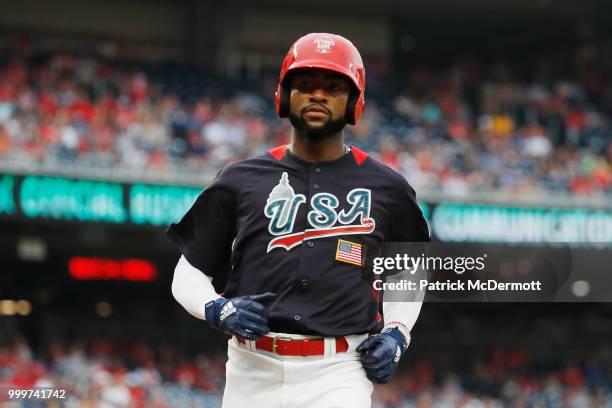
(470, 128)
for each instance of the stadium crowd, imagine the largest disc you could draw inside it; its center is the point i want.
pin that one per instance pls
(119, 374)
(469, 127)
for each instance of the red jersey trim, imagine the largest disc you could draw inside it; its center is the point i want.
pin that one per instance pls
(359, 155)
(278, 152)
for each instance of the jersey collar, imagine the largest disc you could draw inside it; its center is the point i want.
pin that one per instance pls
(281, 151)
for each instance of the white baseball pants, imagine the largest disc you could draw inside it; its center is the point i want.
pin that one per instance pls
(262, 379)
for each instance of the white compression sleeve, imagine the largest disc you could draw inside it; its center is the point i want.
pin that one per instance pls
(405, 313)
(192, 288)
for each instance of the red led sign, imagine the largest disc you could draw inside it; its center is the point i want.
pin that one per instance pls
(82, 268)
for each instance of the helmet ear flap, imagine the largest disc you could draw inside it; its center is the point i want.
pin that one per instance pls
(351, 105)
(284, 96)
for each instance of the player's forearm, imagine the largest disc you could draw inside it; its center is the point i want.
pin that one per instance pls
(405, 313)
(403, 308)
(192, 288)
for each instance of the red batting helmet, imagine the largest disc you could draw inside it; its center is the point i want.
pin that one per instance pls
(327, 51)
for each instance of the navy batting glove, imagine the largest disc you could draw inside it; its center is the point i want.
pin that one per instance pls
(381, 354)
(243, 316)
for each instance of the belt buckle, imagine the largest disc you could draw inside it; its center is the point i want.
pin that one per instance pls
(274, 345)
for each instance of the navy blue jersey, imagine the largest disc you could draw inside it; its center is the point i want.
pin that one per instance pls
(299, 229)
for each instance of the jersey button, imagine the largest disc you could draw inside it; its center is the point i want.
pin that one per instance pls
(316, 186)
(304, 282)
(318, 170)
(297, 317)
(310, 244)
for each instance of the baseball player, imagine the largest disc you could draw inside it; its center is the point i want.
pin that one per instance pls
(290, 228)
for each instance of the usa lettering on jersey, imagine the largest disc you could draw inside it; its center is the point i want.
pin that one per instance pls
(282, 208)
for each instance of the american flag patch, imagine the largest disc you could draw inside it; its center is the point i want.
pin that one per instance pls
(349, 252)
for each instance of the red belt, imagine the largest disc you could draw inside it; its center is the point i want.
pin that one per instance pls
(296, 347)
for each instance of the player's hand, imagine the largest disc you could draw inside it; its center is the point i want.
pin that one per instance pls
(243, 316)
(381, 354)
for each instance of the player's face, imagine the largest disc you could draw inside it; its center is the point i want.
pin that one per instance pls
(318, 102)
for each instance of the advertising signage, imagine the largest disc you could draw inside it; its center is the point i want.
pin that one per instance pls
(82, 200)
(66, 199)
